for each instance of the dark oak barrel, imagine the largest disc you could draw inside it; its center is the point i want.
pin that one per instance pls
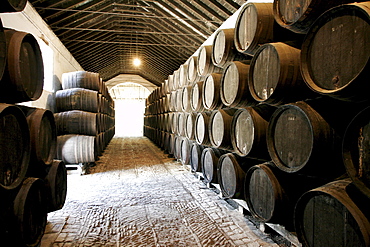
(196, 99)
(23, 79)
(185, 151)
(300, 140)
(77, 122)
(74, 149)
(231, 170)
(299, 15)
(81, 79)
(15, 146)
(195, 157)
(3, 51)
(186, 98)
(77, 99)
(234, 90)
(340, 36)
(249, 131)
(8, 6)
(223, 48)
(211, 91)
(209, 161)
(56, 185)
(202, 128)
(42, 127)
(30, 213)
(275, 75)
(220, 128)
(205, 65)
(356, 150)
(190, 125)
(333, 215)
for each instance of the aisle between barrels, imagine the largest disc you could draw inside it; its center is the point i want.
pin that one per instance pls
(137, 196)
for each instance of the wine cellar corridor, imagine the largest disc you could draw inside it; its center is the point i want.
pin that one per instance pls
(184, 123)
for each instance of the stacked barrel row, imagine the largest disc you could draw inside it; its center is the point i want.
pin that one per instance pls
(84, 118)
(32, 183)
(283, 123)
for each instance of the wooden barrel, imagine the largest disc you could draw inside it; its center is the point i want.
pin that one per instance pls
(234, 90)
(173, 101)
(231, 170)
(186, 97)
(12, 6)
(254, 26)
(170, 83)
(223, 48)
(196, 99)
(189, 125)
(333, 215)
(77, 99)
(74, 149)
(275, 75)
(178, 100)
(177, 147)
(299, 15)
(192, 73)
(211, 92)
(249, 130)
(185, 151)
(171, 149)
(81, 79)
(299, 139)
(201, 128)
(195, 157)
(77, 122)
(209, 160)
(205, 65)
(356, 149)
(183, 76)
(345, 32)
(15, 146)
(30, 213)
(181, 123)
(220, 128)
(3, 51)
(56, 185)
(42, 127)
(23, 79)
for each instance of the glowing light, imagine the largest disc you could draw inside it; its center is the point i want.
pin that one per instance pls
(137, 62)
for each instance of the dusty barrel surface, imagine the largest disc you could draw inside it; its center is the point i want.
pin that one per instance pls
(340, 35)
(231, 170)
(275, 75)
(205, 64)
(332, 215)
(202, 128)
(30, 211)
(56, 185)
(23, 79)
(223, 48)
(77, 122)
(209, 161)
(74, 149)
(211, 92)
(195, 157)
(41, 124)
(356, 149)
(77, 99)
(234, 90)
(12, 6)
(81, 79)
(299, 139)
(220, 128)
(15, 146)
(249, 131)
(299, 15)
(196, 99)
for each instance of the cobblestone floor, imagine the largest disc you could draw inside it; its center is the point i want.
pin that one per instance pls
(137, 196)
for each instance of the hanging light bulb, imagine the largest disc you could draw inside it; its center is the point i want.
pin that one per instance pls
(137, 62)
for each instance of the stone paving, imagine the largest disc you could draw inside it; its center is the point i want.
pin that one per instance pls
(137, 196)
